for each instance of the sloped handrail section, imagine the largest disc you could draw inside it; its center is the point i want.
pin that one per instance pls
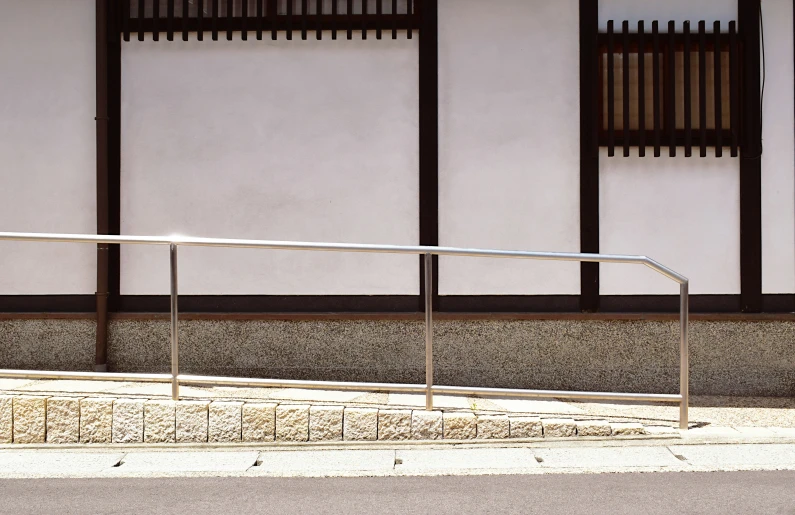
(429, 389)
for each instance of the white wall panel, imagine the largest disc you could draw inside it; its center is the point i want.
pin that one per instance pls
(509, 142)
(778, 157)
(293, 140)
(47, 143)
(682, 211)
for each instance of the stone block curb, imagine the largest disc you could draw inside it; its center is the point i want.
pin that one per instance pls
(6, 419)
(128, 421)
(394, 425)
(192, 421)
(493, 427)
(325, 423)
(526, 427)
(96, 420)
(259, 422)
(292, 423)
(63, 420)
(225, 422)
(460, 426)
(594, 428)
(559, 427)
(160, 422)
(427, 425)
(627, 429)
(360, 424)
(32, 419)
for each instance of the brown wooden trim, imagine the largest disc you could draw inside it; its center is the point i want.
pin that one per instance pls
(48, 316)
(48, 303)
(272, 303)
(366, 305)
(295, 317)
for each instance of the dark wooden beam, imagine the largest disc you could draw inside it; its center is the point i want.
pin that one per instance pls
(589, 152)
(429, 139)
(748, 19)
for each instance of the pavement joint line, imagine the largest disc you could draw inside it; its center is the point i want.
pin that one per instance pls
(677, 456)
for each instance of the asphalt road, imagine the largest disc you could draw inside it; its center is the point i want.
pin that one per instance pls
(688, 492)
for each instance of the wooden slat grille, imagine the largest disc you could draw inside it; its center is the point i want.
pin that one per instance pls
(237, 18)
(669, 89)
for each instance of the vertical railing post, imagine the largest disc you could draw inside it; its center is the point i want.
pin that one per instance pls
(428, 332)
(174, 330)
(684, 356)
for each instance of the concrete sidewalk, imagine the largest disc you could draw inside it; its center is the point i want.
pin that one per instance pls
(143, 413)
(416, 460)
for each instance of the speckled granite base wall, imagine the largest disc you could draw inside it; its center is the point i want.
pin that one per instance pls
(727, 358)
(44, 344)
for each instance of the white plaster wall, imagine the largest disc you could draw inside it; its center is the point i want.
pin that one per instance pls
(676, 10)
(284, 140)
(47, 143)
(683, 212)
(778, 157)
(509, 142)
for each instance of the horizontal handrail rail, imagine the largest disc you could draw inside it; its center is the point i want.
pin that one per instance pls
(344, 247)
(429, 388)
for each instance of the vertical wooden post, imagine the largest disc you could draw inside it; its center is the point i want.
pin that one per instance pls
(589, 152)
(429, 139)
(748, 18)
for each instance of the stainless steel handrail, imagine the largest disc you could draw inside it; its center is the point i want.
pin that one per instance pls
(429, 388)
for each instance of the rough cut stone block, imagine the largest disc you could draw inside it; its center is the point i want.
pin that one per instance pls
(426, 425)
(128, 421)
(492, 427)
(460, 426)
(160, 421)
(559, 427)
(63, 420)
(292, 423)
(192, 420)
(360, 424)
(30, 419)
(394, 424)
(96, 420)
(259, 422)
(226, 422)
(627, 429)
(325, 423)
(6, 420)
(526, 427)
(593, 428)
